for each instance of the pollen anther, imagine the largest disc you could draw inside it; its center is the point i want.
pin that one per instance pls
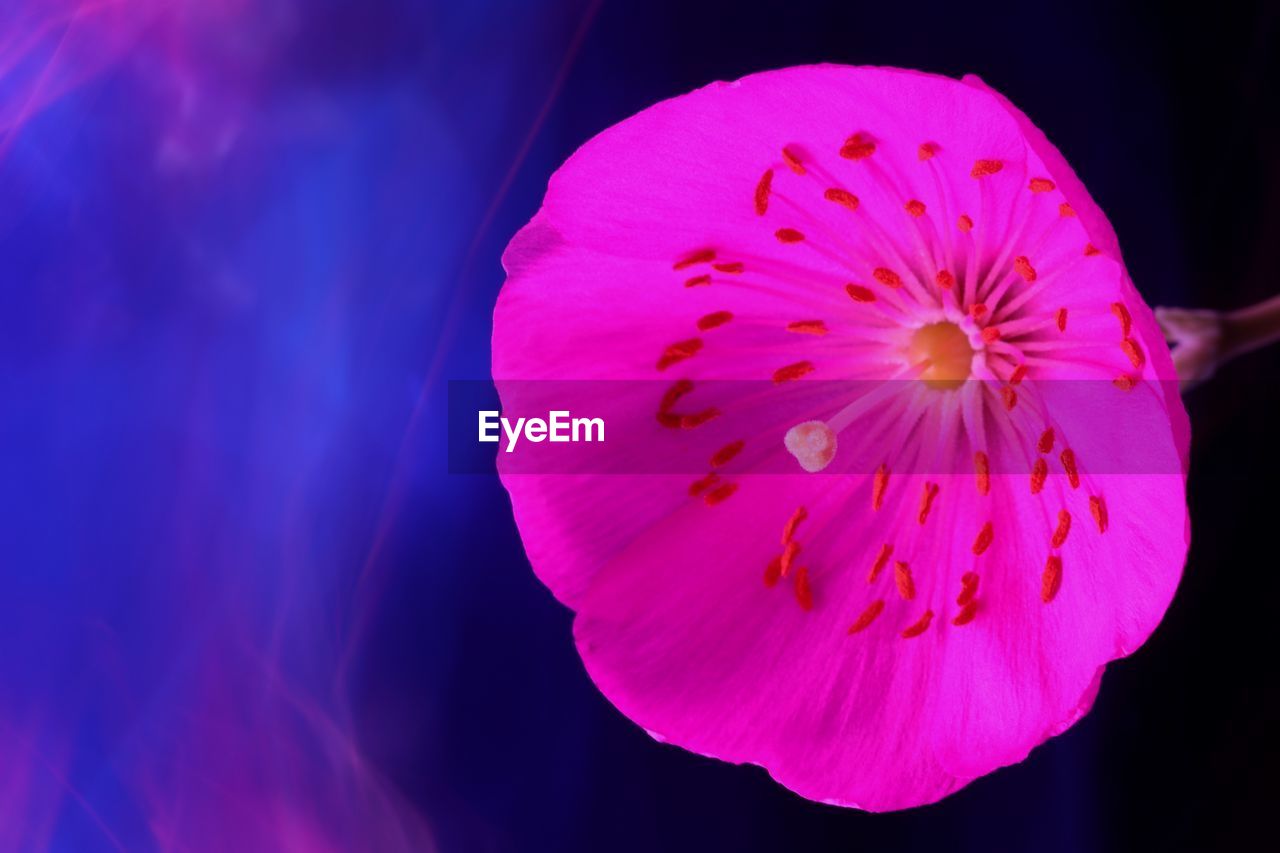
(887, 277)
(841, 197)
(808, 327)
(1039, 472)
(878, 486)
(983, 542)
(792, 372)
(804, 592)
(1098, 509)
(929, 492)
(763, 188)
(982, 168)
(701, 256)
(720, 494)
(727, 453)
(710, 321)
(792, 160)
(919, 626)
(882, 560)
(857, 147)
(1063, 528)
(789, 529)
(859, 293)
(902, 579)
(1068, 458)
(1022, 266)
(867, 616)
(982, 471)
(1051, 579)
(679, 351)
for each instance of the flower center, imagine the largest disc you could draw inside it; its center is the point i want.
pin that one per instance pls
(946, 350)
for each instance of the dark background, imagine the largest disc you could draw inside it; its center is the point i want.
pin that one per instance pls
(1172, 120)
(243, 604)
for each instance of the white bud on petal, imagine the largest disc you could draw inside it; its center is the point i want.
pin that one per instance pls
(812, 443)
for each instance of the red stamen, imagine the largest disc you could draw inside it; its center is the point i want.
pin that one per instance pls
(887, 277)
(919, 627)
(1019, 373)
(860, 293)
(701, 256)
(977, 309)
(773, 572)
(1022, 266)
(789, 555)
(842, 197)
(1039, 471)
(788, 235)
(857, 147)
(669, 420)
(808, 327)
(720, 494)
(697, 281)
(882, 560)
(1045, 444)
(927, 150)
(982, 467)
(763, 188)
(926, 500)
(1051, 580)
(1065, 209)
(710, 321)
(1064, 527)
(674, 393)
(792, 160)
(804, 593)
(902, 579)
(968, 588)
(964, 223)
(915, 208)
(792, 372)
(726, 453)
(1090, 250)
(982, 168)
(1062, 319)
(878, 486)
(991, 334)
(1134, 352)
(698, 418)
(1098, 508)
(1126, 321)
(867, 616)
(679, 351)
(700, 485)
(1041, 185)
(945, 279)
(983, 542)
(1068, 458)
(731, 267)
(789, 529)
(966, 614)
(1010, 397)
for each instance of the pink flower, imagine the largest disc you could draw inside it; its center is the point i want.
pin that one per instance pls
(934, 583)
